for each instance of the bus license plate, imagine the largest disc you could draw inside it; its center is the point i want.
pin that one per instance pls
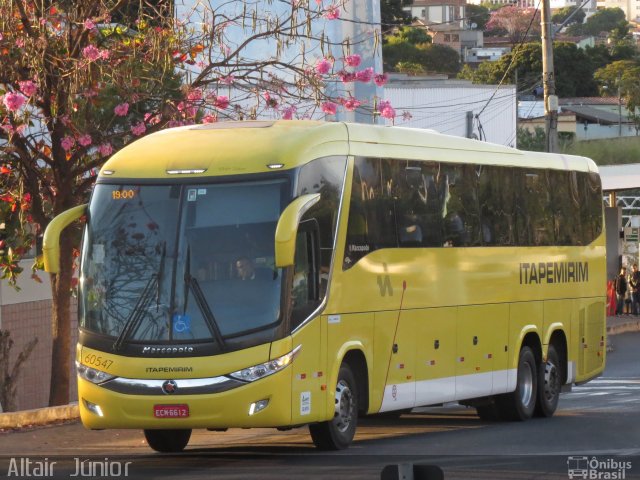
(171, 411)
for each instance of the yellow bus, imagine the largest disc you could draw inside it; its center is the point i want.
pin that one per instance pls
(279, 274)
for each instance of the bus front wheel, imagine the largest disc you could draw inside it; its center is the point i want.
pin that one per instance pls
(520, 404)
(168, 441)
(549, 384)
(338, 433)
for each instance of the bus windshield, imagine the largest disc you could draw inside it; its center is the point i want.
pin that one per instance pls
(182, 263)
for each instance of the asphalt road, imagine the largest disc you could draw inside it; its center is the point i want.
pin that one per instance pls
(597, 423)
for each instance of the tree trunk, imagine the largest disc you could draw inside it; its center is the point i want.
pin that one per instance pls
(61, 324)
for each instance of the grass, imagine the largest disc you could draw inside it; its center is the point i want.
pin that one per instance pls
(609, 151)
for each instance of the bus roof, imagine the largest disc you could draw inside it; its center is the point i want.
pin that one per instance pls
(232, 148)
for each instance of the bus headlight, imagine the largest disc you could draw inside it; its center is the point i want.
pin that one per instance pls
(251, 374)
(92, 375)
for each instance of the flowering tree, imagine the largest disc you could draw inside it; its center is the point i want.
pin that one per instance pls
(517, 23)
(80, 80)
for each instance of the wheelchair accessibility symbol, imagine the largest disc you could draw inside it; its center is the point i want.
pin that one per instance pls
(181, 324)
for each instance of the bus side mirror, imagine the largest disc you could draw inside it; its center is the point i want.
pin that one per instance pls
(51, 240)
(287, 228)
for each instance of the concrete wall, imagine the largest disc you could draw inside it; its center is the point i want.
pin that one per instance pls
(26, 314)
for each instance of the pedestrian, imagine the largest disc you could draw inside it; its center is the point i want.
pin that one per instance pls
(621, 290)
(634, 286)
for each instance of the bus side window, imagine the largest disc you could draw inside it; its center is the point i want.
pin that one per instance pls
(306, 274)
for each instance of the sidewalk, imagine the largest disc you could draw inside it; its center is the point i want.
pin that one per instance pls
(45, 416)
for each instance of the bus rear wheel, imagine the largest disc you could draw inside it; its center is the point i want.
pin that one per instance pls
(549, 384)
(520, 404)
(168, 441)
(338, 433)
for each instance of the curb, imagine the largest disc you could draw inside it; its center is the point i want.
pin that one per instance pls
(38, 416)
(628, 326)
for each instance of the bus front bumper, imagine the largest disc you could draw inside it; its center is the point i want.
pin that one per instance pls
(263, 403)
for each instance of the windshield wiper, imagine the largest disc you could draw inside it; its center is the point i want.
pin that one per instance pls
(133, 321)
(192, 284)
(136, 315)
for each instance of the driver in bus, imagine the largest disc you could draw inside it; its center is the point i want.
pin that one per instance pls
(247, 272)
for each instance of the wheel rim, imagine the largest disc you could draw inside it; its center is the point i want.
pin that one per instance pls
(551, 381)
(344, 406)
(526, 384)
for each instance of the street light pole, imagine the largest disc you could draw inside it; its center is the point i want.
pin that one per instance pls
(549, 82)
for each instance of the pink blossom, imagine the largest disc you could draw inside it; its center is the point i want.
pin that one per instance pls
(121, 110)
(351, 104)
(386, 110)
(28, 87)
(194, 95)
(380, 79)
(330, 108)
(352, 60)
(20, 43)
(221, 102)
(89, 24)
(346, 77)
(139, 129)
(287, 113)
(91, 52)
(13, 101)
(67, 143)
(271, 102)
(105, 54)
(228, 80)
(85, 140)
(332, 12)
(323, 66)
(105, 149)
(151, 119)
(209, 119)
(365, 75)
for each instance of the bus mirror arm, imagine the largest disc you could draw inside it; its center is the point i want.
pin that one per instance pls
(51, 240)
(287, 228)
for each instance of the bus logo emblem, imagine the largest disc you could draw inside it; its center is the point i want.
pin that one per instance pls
(384, 282)
(169, 387)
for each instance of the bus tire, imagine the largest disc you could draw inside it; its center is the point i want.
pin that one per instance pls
(549, 384)
(338, 433)
(520, 404)
(168, 441)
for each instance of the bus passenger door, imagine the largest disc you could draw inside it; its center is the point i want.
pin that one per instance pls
(396, 347)
(308, 394)
(435, 356)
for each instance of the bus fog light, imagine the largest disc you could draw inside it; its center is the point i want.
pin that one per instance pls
(93, 408)
(257, 406)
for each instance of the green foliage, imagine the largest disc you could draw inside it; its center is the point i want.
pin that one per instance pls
(532, 141)
(621, 78)
(609, 151)
(410, 68)
(412, 35)
(478, 14)
(604, 20)
(411, 48)
(562, 14)
(392, 13)
(574, 71)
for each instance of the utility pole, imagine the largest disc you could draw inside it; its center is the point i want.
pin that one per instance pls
(549, 80)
